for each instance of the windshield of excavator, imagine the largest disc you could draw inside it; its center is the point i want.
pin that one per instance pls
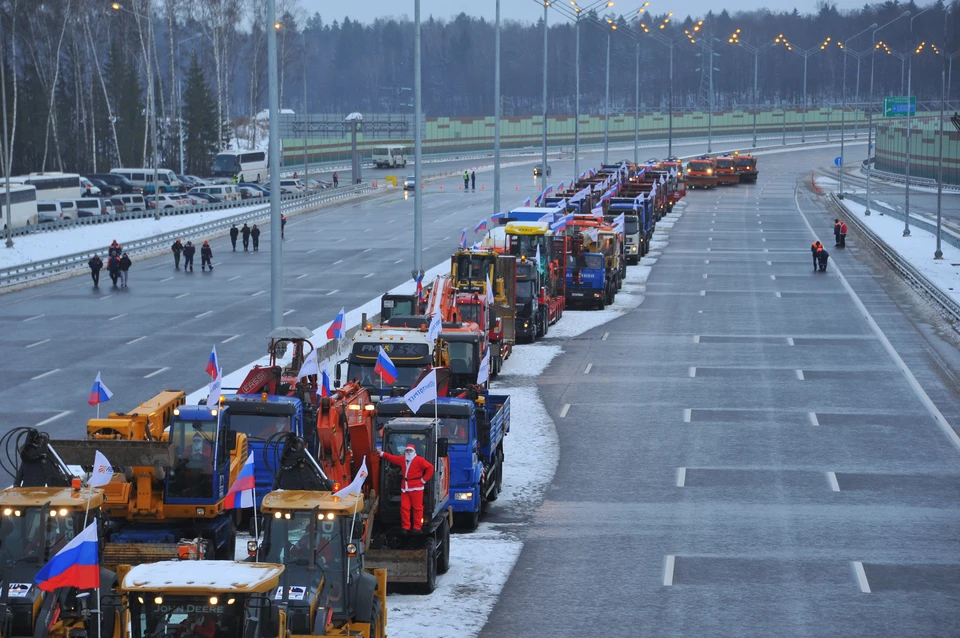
(196, 452)
(214, 616)
(287, 541)
(526, 245)
(470, 269)
(410, 360)
(35, 534)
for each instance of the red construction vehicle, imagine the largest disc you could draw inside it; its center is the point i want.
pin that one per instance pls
(747, 167)
(726, 170)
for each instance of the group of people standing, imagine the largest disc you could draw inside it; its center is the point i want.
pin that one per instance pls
(118, 265)
(820, 254)
(247, 233)
(468, 179)
(188, 252)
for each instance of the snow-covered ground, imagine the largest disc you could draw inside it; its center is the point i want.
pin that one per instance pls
(917, 249)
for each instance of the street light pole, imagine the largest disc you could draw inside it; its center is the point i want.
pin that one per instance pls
(276, 250)
(636, 114)
(875, 46)
(417, 149)
(543, 171)
(606, 109)
(843, 96)
(756, 51)
(576, 124)
(7, 151)
(306, 119)
(496, 114)
(906, 183)
(938, 253)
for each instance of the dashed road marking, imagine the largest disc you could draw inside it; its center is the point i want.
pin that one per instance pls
(118, 316)
(38, 343)
(287, 312)
(204, 314)
(339, 261)
(861, 577)
(369, 276)
(773, 277)
(703, 293)
(692, 372)
(45, 374)
(182, 295)
(301, 276)
(832, 479)
(799, 375)
(790, 341)
(687, 415)
(668, 571)
(53, 418)
(399, 261)
(778, 295)
(563, 412)
(813, 418)
(588, 368)
(681, 476)
(696, 338)
(132, 341)
(332, 292)
(604, 337)
(234, 278)
(229, 339)
(32, 318)
(258, 293)
(156, 372)
(165, 279)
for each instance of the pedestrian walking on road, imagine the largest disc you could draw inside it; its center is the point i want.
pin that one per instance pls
(336, 180)
(206, 256)
(96, 264)
(283, 225)
(843, 234)
(813, 251)
(115, 250)
(113, 267)
(836, 232)
(245, 233)
(822, 257)
(177, 248)
(473, 180)
(234, 233)
(255, 233)
(188, 252)
(125, 264)
(466, 180)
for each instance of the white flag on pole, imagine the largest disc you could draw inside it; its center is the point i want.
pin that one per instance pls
(489, 290)
(310, 365)
(425, 392)
(483, 375)
(435, 328)
(213, 394)
(356, 485)
(102, 471)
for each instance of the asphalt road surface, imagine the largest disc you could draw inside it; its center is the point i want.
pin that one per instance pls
(748, 455)
(157, 333)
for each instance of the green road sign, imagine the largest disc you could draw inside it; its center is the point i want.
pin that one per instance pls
(897, 106)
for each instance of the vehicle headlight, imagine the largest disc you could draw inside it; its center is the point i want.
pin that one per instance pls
(709, 171)
(464, 496)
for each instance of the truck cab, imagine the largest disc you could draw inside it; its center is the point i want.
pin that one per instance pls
(410, 349)
(726, 170)
(531, 315)
(586, 278)
(747, 167)
(701, 172)
(396, 304)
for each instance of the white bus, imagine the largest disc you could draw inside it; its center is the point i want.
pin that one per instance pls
(390, 156)
(52, 185)
(142, 178)
(252, 165)
(23, 205)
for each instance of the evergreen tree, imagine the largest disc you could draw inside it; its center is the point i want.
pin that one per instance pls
(201, 131)
(128, 105)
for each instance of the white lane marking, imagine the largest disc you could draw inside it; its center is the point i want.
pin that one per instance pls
(38, 343)
(368, 250)
(692, 371)
(706, 261)
(332, 292)
(53, 418)
(32, 318)
(861, 577)
(302, 276)
(234, 278)
(312, 250)
(258, 293)
(182, 295)
(155, 373)
(668, 571)
(287, 312)
(832, 479)
(588, 368)
(911, 380)
(681, 476)
(604, 337)
(339, 261)
(136, 340)
(773, 277)
(778, 295)
(229, 339)
(167, 279)
(45, 374)
(118, 316)
(563, 412)
(790, 341)
(813, 418)
(769, 263)
(204, 314)
(696, 338)
(799, 374)
(399, 261)
(687, 415)
(369, 276)
(704, 275)
(703, 293)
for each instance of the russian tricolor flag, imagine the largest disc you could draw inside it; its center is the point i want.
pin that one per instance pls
(548, 191)
(385, 367)
(463, 239)
(481, 226)
(99, 393)
(76, 565)
(241, 492)
(213, 366)
(326, 388)
(593, 173)
(562, 185)
(526, 202)
(335, 331)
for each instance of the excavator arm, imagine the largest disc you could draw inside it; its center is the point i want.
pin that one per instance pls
(39, 464)
(296, 469)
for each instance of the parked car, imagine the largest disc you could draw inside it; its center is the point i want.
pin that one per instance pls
(257, 187)
(291, 187)
(105, 189)
(88, 207)
(187, 181)
(133, 202)
(69, 208)
(88, 189)
(538, 170)
(165, 201)
(52, 211)
(199, 181)
(249, 193)
(118, 206)
(410, 183)
(225, 192)
(206, 197)
(116, 181)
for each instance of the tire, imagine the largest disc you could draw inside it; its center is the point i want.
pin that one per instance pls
(467, 521)
(497, 481)
(602, 303)
(546, 324)
(431, 583)
(443, 560)
(376, 619)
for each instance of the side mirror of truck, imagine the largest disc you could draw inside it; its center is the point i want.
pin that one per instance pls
(442, 448)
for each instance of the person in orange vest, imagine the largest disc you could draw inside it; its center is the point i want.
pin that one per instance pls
(843, 234)
(416, 472)
(822, 257)
(813, 251)
(836, 232)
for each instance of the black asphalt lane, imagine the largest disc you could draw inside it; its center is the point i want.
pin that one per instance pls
(746, 457)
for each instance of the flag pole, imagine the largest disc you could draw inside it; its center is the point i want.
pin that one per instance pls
(256, 527)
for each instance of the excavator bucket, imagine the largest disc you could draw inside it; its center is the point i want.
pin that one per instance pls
(118, 452)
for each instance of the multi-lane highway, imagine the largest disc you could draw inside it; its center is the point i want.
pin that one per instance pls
(756, 450)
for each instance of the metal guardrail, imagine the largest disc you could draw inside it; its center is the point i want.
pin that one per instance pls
(68, 263)
(866, 167)
(913, 276)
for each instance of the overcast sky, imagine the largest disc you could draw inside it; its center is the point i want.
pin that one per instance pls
(528, 10)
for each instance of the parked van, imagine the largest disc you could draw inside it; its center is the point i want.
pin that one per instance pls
(69, 208)
(133, 202)
(143, 178)
(225, 192)
(390, 156)
(290, 187)
(88, 207)
(51, 211)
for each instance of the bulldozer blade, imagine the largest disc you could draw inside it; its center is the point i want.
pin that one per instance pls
(402, 565)
(119, 453)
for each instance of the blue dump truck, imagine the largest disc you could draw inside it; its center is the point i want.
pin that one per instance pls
(587, 281)
(474, 430)
(637, 227)
(262, 417)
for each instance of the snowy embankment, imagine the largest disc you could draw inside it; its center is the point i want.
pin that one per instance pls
(481, 562)
(917, 249)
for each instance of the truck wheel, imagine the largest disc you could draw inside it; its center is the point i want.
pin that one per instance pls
(443, 560)
(497, 481)
(376, 619)
(602, 303)
(431, 582)
(467, 521)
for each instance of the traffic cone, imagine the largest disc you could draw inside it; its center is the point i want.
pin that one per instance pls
(441, 186)
(460, 187)
(517, 187)
(482, 187)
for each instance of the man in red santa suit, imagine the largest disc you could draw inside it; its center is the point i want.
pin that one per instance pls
(416, 472)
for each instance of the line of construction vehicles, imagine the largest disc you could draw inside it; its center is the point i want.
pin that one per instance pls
(320, 560)
(710, 171)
